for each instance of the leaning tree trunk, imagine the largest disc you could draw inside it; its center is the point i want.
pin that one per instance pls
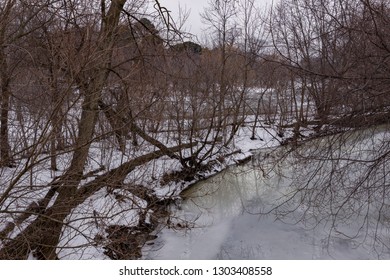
(43, 234)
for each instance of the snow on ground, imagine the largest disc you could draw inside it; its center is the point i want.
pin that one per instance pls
(83, 230)
(91, 218)
(221, 225)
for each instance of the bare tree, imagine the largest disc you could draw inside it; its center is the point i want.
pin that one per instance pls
(336, 51)
(90, 76)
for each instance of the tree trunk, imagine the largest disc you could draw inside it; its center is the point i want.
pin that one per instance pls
(5, 150)
(44, 233)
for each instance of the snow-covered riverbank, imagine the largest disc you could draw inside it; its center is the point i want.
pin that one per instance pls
(225, 220)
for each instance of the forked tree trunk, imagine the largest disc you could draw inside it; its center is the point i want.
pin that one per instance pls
(43, 234)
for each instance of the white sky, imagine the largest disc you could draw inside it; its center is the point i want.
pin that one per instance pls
(194, 24)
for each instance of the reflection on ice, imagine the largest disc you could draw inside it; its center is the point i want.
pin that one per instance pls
(232, 217)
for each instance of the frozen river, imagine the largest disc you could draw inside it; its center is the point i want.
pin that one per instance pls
(229, 214)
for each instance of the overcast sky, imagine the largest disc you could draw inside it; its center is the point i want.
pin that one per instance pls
(195, 7)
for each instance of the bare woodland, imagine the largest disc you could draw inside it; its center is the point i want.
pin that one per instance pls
(94, 92)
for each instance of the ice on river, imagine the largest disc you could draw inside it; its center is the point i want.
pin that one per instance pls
(227, 224)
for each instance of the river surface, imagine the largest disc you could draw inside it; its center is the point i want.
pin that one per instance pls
(229, 217)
